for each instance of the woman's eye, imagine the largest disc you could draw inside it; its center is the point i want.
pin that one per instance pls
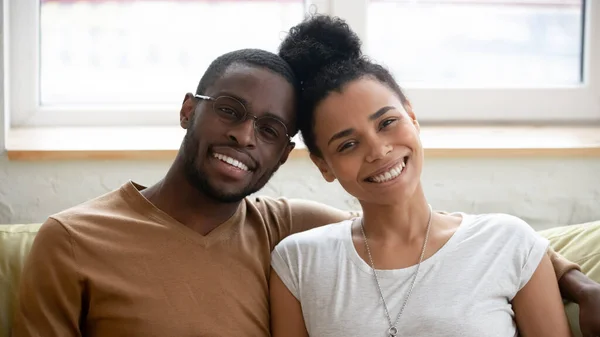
(346, 146)
(387, 123)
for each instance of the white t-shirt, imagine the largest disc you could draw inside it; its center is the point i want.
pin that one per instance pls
(464, 290)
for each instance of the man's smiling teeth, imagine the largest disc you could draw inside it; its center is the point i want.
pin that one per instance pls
(389, 175)
(230, 161)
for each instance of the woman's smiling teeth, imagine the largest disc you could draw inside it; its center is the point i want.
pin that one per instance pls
(391, 174)
(230, 161)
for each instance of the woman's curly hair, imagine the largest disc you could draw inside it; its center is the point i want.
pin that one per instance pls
(325, 54)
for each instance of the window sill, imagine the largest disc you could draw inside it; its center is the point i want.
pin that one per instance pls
(162, 143)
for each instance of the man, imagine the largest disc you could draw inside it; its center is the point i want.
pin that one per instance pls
(190, 255)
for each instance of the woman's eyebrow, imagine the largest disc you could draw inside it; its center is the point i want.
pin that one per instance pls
(341, 134)
(380, 112)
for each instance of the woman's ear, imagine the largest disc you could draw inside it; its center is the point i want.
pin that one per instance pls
(323, 167)
(412, 115)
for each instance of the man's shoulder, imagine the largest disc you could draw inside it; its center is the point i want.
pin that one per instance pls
(286, 208)
(268, 208)
(285, 204)
(283, 216)
(298, 214)
(268, 202)
(100, 207)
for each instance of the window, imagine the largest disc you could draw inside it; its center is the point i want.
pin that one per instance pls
(129, 62)
(479, 43)
(486, 60)
(111, 61)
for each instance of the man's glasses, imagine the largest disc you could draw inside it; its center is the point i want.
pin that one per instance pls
(231, 111)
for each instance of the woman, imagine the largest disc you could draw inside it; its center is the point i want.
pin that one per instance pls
(401, 269)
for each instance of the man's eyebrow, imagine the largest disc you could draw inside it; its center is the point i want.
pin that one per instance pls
(273, 115)
(241, 99)
(248, 107)
(341, 134)
(380, 112)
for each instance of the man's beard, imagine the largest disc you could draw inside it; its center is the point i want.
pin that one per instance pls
(198, 178)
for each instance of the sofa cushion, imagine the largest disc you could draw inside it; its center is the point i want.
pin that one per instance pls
(580, 244)
(15, 243)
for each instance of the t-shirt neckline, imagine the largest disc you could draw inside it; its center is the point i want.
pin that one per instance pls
(395, 273)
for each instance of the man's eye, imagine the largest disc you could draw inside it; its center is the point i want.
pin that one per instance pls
(268, 131)
(228, 111)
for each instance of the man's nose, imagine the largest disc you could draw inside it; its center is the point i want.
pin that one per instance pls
(243, 133)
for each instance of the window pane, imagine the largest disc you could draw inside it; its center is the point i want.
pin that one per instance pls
(478, 43)
(147, 51)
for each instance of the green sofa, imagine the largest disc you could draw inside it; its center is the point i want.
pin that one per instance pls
(579, 243)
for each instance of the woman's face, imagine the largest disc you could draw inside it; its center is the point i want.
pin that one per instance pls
(369, 142)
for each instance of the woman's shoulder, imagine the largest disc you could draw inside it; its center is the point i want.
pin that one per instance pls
(324, 235)
(311, 250)
(502, 223)
(499, 230)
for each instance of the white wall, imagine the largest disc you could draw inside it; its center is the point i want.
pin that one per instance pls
(546, 192)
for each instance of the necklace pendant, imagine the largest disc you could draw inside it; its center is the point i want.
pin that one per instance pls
(392, 332)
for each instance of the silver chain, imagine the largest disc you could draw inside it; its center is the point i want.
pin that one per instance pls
(393, 330)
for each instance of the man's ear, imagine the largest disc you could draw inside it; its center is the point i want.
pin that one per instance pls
(286, 153)
(186, 114)
(323, 167)
(412, 115)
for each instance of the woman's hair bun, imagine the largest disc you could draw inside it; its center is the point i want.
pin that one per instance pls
(318, 42)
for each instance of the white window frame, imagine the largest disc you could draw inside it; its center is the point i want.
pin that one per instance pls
(24, 105)
(576, 104)
(573, 104)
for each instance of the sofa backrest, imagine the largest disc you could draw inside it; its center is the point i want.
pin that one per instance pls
(15, 243)
(580, 244)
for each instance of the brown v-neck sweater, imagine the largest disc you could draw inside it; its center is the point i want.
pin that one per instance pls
(118, 266)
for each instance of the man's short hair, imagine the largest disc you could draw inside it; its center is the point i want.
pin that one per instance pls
(251, 57)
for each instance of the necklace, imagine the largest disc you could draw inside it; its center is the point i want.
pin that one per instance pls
(393, 330)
